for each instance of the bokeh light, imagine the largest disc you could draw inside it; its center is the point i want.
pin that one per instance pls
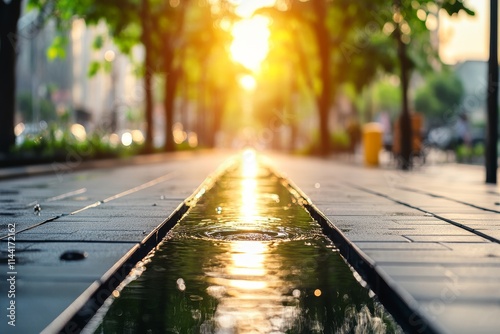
(127, 139)
(250, 44)
(78, 131)
(248, 82)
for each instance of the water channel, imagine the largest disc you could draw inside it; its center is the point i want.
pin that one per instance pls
(247, 258)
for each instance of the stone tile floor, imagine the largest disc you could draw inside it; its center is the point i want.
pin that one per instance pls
(430, 235)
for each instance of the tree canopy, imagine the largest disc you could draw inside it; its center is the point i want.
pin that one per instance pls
(441, 93)
(315, 48)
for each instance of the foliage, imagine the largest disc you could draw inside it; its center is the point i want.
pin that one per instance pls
(54, 143)
(340, 142)
(442, 92)
(467, 154)
(316, 48)
(46, 108)
(387, 97)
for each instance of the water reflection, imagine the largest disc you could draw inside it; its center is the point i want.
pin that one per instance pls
(251, 303)
(246, 260)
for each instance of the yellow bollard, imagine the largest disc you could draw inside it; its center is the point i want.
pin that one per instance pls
(372, 143)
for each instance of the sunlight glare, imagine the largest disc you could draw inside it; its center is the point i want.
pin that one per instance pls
(248, 82)
(249, 166)
(250, 41)
(245, 8)
(248, 209)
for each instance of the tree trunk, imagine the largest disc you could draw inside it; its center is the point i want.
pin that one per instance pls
(492, 131)
(405, 159)
(214, 103)
(323, 100)
(171, 78)
(9, 15)
(218, 105)
(148, 73)
(172, 74)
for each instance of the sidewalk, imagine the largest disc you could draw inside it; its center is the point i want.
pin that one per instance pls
(427, 241)
(112, 216)
(431, 236)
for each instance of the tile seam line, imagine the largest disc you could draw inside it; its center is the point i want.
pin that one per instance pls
(452, 222)
(409, 189)
(77, 241)
(76, 315)
(59, 197)
(399, 303)
(127, 192)
(135, 189)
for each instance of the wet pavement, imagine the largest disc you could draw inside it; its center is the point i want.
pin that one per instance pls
(247, 258)
(427, 241)
(106, 214)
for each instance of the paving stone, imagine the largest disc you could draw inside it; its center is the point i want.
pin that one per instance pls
(418, 272)
(452, 290)
(463, 317)
(136, 203)
(441, 229)
(421, 255)
(476, 272)
(400, 246)
(439, 253)
(470, 238)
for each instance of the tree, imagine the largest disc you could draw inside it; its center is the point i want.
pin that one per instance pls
(336, 33)
(491, 153)
(410, 30)
(157, 25)
(129, 24)
(386, 97)
(205, 66)
(322, 36)
(145, 13)
(9, 15)
(442, 92)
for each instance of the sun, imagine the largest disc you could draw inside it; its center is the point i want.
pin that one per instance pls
(245, 8)
(247, 82)
(250, 43)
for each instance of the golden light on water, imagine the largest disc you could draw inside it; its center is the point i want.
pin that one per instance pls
(249, 164)
(248, 259)
(252, 301)
(249, 288)
(249, 210)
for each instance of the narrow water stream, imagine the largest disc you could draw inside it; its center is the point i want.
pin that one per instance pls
(246, 259)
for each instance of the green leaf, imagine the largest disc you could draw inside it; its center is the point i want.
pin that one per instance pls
(94, 67)
(58, 48)
(98, 42)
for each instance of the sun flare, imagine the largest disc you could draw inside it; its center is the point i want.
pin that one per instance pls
(248, 82)
(250, 41)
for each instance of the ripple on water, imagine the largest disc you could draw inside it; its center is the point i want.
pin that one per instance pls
(247, 258)
(216, 232)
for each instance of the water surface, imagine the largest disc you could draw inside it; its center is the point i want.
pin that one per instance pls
(246, 259)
